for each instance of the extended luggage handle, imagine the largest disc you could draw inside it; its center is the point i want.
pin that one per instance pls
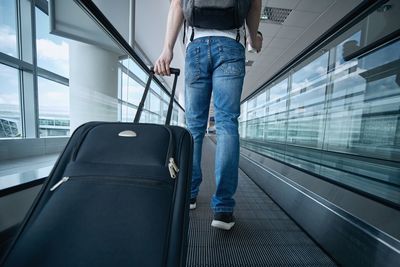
(146, 90)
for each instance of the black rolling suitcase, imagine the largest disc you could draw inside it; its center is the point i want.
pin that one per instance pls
(117, 196)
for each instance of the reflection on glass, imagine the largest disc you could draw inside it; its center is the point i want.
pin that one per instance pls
(278, 91)
(174, 118)
(128, 113)
(364, 108)
(152, 106)
(53, 108)
(380, 23)
(346, 47)
(340, 120)
(10, 110)
(131, 90)
(52, 51)
(164, 109)
(134, 68)
(155, 103)
(307, 100)
(165, 96)
(155, 87)
(276, 114)
(8, 35)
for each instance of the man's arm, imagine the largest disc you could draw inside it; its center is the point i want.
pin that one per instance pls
(174, 23)
(253, 21)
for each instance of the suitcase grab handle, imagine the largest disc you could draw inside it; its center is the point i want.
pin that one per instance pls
(172, 71)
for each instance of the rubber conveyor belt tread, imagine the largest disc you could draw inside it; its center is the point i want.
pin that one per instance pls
(262, 236)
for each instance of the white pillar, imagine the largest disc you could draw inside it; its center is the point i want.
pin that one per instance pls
(93, 84)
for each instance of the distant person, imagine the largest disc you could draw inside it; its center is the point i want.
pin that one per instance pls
(215, 62)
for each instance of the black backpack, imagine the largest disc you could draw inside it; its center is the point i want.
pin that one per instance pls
(216, 14)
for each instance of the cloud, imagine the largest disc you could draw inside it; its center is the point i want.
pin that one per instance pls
(53, 55)
(321, 70)
(9, 99)
(8, 44)
(54, 103)
(50, 50)
(53, 95)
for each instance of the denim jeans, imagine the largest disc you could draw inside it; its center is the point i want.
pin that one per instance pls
(215, 64)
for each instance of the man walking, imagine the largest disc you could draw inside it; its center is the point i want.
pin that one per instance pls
(215, 62)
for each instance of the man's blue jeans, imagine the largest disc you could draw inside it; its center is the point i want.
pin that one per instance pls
(215, 64)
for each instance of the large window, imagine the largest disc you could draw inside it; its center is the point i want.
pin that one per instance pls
(8, 26)
(10, 109)
(337, 114)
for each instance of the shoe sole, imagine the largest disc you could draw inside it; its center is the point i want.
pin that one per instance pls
(192, 206)
(222, 225)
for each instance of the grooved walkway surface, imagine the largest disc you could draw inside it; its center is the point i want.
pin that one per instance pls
(262, 236)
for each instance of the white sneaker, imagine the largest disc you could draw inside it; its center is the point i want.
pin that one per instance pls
(223, 220)
(192, 203)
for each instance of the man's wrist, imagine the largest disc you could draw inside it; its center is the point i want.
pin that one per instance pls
(168, 48)
(253, 38)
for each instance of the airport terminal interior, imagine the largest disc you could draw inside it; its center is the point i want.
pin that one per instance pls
(319, 172)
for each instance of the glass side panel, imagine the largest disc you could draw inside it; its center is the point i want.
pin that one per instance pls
(132, 91)
(164, 109)
(155, 103)
(134, 68)
(128, 113)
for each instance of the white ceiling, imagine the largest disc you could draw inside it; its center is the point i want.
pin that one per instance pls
(308, 20)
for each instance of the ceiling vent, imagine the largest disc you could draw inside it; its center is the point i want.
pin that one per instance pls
(274, 15)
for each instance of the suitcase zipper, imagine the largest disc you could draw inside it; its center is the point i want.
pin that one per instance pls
(173, 168)
(63, 180)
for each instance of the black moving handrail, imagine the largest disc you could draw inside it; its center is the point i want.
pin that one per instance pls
(94, 12)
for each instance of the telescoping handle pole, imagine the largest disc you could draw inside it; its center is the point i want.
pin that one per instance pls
(146, 90)
(171, 100)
